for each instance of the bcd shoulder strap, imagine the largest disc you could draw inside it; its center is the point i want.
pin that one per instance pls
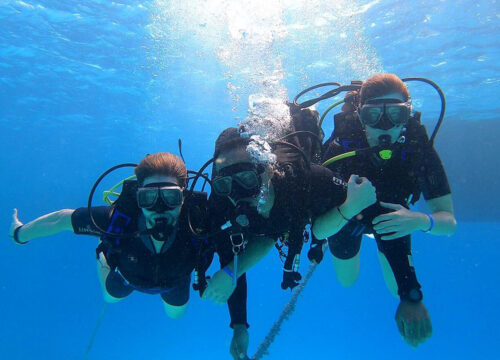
(123, 219)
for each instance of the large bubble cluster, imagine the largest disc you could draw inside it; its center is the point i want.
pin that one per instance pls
(262, 44)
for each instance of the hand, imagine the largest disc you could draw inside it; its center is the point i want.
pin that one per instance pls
(239, 343)
(290, 279)
(219, 288)
(14, 224)
(414, 322)
(398, 223)
(360, 194)
(317, 250)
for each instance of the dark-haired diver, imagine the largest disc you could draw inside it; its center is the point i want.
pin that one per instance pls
(255, 204)
(146, 244)
(377, 138)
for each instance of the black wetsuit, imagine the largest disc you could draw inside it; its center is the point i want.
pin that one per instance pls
(134, 262)
(299, 197)
(414, 168)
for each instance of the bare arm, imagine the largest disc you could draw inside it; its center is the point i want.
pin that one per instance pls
(402, 222)
(46, 225)
(441, 209)
(222, 284)
(254, 252)
(360, 194)
(331, 222)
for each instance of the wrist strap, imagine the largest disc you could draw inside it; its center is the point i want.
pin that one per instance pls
(340, 212)
(15, 236)
(227, 271)
(431, 219)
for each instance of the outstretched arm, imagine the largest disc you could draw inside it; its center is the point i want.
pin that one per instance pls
(46, 225)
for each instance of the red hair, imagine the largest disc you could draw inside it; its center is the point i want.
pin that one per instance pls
(162, 163)
(383, 84)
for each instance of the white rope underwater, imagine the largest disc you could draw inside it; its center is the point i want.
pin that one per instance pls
(287, 311)
(94, 333)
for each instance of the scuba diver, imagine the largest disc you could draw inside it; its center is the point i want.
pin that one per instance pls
(146, 239)
(377, 138)
(257, 205)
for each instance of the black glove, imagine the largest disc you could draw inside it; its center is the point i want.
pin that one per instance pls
(315, 252)
(290, 279)
(201, 286)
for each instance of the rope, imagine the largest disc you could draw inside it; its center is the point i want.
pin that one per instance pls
(94, 333)
(287, 311)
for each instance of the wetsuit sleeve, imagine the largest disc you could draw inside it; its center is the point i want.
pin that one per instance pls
(398, 254)
(433, 180)
(237, 303)
(82, 224)
(326, 192)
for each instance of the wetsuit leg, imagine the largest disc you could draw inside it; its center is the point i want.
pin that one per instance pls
(175, 299)
(116, 287)
(179, 294)
(237, 303)
(398, 254)
(346, 243)
(345, 246)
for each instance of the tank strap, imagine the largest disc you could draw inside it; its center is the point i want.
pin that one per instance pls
(118, 225)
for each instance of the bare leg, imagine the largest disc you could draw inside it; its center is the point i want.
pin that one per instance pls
(103, 270)
(389, 278)
(175, 312)
(347, 270)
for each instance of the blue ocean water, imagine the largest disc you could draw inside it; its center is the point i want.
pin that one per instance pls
(86, 85)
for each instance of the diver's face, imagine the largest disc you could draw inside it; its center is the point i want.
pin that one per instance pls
(236, 176)
(373, 134)
(171, 215)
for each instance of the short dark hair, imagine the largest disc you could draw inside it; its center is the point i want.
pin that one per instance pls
(383, 84)
(162, 163)
(230, 139)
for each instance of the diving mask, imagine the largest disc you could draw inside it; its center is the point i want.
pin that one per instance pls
(159, 197)
(385, 113)
(238, 181)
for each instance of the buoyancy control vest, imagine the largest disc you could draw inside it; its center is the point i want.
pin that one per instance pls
(406, 160)
(295, 153)
(125, 253)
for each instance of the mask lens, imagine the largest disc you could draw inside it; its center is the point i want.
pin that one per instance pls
(222, 185)
(171, 196)
(398, 114)
(247, 179)
(147, 197)
(370, 114)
